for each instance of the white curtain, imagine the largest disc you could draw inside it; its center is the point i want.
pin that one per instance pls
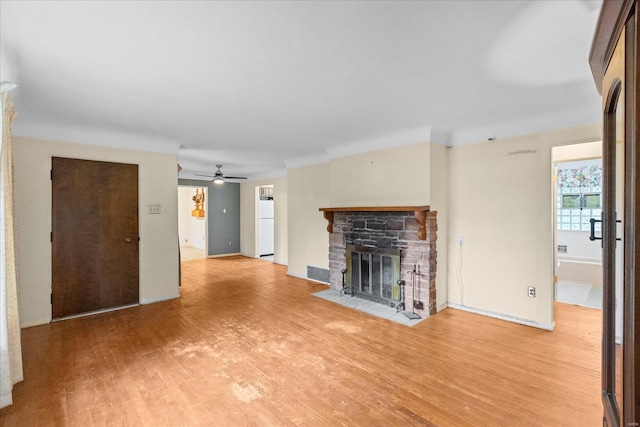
(10, 347)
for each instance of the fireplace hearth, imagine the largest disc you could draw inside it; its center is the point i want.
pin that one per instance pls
(370, 249)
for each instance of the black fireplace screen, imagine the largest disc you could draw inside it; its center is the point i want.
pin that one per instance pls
(373, 273)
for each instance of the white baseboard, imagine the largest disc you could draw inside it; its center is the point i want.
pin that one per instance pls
(296, 275)
(306, 278)
(526, 322)
(441, 307)
(224, 255)
(151, 301)
(91, 313)
(36, 322)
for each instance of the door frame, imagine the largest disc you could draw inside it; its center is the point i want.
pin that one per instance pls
(206, 215)
(618, 26)
(564, 158)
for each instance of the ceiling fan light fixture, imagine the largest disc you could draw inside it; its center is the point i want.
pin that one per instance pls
(218, 177)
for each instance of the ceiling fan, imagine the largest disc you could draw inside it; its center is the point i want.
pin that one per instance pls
(218, 177)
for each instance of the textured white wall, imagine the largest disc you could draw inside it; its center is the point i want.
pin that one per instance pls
(157, 183)
(500, 202)
(439, 192)
(184, 213)
(393, 177)
(308, 236)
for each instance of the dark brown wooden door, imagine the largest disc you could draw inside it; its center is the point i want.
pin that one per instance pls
(94, 235)
(615, 58)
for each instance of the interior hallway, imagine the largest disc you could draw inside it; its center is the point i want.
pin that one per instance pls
(189, 253)
(248, 345)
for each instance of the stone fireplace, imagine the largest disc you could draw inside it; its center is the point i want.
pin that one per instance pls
(376, 246)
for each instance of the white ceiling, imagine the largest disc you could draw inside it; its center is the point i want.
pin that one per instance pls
(262, 86)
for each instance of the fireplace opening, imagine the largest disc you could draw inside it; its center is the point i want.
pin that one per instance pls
(373, 273)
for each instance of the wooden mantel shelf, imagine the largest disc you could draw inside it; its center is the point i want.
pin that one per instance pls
(419, 213)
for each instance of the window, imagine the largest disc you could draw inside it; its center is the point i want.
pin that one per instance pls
(578, 196)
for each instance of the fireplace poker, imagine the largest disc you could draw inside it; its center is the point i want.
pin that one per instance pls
(417, 304)
(412, 314)
(400, 303)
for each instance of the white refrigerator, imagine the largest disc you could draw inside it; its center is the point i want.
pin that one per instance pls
(266, 227)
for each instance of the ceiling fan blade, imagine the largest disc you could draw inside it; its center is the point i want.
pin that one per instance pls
(199, 174)
(235, 177)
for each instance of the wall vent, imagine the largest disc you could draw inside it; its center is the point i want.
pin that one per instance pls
(318, 274)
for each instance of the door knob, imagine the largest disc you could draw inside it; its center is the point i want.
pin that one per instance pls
(127, 239)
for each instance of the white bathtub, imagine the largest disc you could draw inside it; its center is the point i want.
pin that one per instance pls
(587, 271)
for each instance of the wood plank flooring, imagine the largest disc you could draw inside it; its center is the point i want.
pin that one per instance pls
(247, 345)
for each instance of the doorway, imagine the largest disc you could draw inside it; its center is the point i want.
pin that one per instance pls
(577, 175)
(94, 236)
(265, 234)
(192, 222)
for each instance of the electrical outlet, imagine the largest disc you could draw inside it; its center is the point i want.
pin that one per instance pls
(532, 292)
(153, 209)
(460, 240)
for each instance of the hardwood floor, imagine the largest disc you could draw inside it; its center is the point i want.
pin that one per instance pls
(247, 345)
